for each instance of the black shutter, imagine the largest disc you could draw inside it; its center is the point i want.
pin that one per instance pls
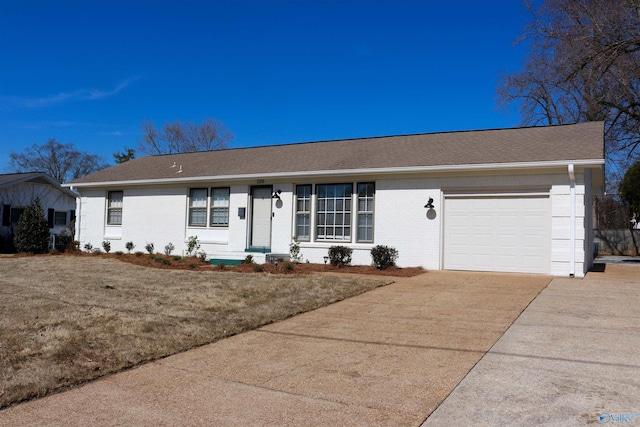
(6, 215)
(50, 217)
(72, 215)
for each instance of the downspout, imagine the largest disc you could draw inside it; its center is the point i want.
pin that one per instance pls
(572, 224)
(78, 207)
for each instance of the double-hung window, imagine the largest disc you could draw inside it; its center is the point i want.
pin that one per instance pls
(303, 212)
(219, 207)
(114, 208)
(198, 207)
(213, 202)
(333, 219)
(365, 211)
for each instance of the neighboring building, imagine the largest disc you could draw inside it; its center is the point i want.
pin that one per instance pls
(19, 190)
(513, 200)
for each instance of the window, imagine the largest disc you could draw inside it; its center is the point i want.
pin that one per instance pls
(114, 208)
(365, 211)
(303, 212)
(198, 207)
(60, 218)
(219, 207)
(16, 213)
(333, 221)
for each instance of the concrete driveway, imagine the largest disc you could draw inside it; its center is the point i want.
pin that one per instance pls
(571, 359)
(388, 357)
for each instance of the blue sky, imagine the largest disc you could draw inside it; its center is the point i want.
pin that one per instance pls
(281, 71)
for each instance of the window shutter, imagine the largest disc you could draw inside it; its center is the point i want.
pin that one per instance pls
(6, 215)
(72, 215)
(50, 217)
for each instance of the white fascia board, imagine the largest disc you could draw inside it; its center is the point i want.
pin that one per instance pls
(347, 172)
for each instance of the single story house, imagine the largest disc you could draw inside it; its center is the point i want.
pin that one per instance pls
(507, 200)
(19, 190)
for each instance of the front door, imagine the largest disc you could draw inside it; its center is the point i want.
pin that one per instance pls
(260, 218)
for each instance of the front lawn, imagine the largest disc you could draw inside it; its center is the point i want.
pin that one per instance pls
(66, 320)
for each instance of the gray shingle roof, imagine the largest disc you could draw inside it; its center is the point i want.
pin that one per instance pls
(583, 141)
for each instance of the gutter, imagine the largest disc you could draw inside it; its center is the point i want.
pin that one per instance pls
(342, 172)
(572, 218)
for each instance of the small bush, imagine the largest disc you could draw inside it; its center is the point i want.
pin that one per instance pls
(129, 246)
(192, 245)
(149, 247)
(54, 251)
(288, 266)
(139, 253)
(88, 247)
(162, 261)
(97, 251)
(202, 256)
(192, 265)
(384, 257)
(294, 251)
(258, 268)
(106, 245)
(65, 237)
(119, 253)
(73, 246)
(177, 257)
(168, 249)
(221, 265)
(340, 255)
(248, 259)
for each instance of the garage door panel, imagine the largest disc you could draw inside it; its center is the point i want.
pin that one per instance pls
(509, 234)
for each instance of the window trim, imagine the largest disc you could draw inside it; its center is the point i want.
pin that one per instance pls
(114, 209)
(301, 213)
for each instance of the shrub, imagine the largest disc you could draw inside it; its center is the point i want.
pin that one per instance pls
(119, 253)
(139, 253)
(258, 268)
(202, 255)
(288, 266)
(54, 251)
(73, 246)
(97, 251)
(129, 246)
(149, 247)
(177, 257)
(106, 245)
(32, 232)
(192, 265)
(168, 249)
(294, 251)
(340, 255)
(384, 257)
(192, 245)
(163, 261)
(221, 265)
(248, 259)
(65, 237)
(88, 247)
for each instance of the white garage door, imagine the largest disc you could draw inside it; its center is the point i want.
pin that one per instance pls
(510, 234)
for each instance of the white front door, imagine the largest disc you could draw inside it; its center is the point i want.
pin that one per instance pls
(261, 217)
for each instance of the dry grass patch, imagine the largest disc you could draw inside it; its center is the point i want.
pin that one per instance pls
(66, 320)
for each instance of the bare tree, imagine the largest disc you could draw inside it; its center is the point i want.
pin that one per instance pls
(179, 137)
(62, 161)
(584, 65)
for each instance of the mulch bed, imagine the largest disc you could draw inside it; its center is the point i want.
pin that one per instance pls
(192, 263)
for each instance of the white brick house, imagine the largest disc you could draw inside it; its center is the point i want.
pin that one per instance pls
(513, 200)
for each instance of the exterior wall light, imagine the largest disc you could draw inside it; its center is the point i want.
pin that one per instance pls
(276, 194)
(429, 204)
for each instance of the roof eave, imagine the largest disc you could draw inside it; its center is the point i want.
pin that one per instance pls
(343, 172)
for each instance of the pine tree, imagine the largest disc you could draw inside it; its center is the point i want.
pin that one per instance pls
(32, 232)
